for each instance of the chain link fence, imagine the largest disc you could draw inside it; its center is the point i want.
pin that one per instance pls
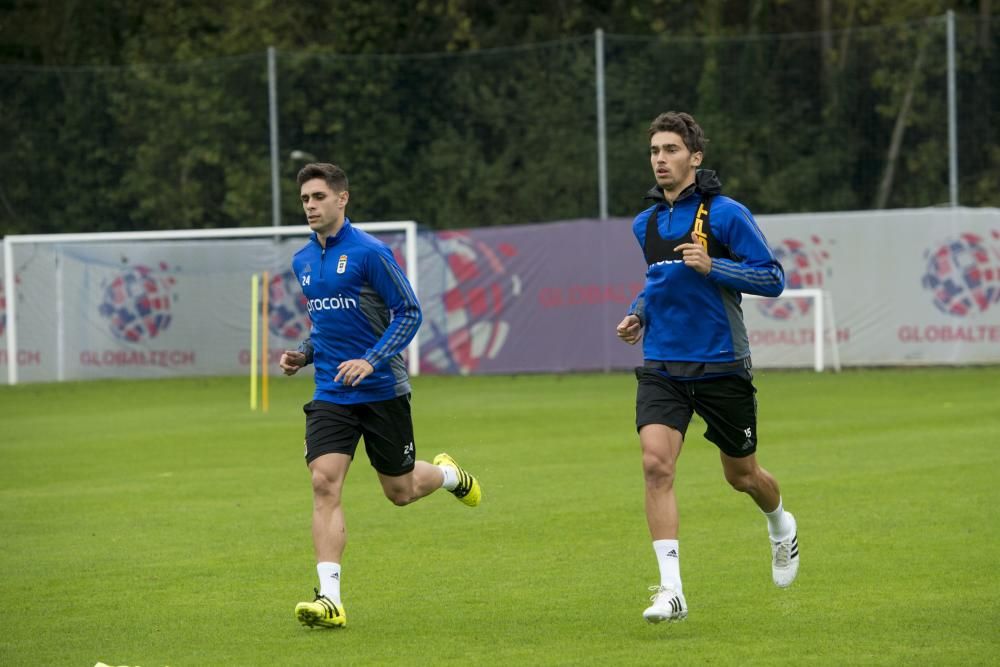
(847, 120)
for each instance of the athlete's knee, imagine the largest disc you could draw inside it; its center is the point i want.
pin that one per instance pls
(399, 490)
(661, 445)
(400, 496)
(658, 471)
(742, 481)
(325, 486)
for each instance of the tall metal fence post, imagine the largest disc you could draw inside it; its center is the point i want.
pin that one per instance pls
(952, 114)
(272, 105)
(602, 145)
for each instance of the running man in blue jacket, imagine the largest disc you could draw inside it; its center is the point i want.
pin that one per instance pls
(363, 313)
(702, 250)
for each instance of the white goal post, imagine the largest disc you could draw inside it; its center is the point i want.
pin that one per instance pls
(822, 316)
(10, 242)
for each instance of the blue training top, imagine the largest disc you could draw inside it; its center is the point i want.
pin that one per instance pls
(362, 307)
(690, 317)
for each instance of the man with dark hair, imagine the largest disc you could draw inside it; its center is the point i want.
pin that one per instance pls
(363, 313)
(702, 250)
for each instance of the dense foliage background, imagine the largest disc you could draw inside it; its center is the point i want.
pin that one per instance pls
(126, 114)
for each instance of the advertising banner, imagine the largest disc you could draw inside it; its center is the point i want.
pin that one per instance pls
(905, 287)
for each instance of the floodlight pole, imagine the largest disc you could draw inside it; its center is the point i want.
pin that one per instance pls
(952, 114)
(602, 146)
(272, 104)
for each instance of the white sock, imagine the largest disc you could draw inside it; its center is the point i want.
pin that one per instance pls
(668, 558)
(779, 526)
(450, 477)
(329, 580)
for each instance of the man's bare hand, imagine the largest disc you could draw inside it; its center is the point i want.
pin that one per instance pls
(353, 371)
(291, 361)
(695, 255)
(629, 329)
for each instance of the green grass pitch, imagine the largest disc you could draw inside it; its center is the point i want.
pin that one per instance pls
(162, 523)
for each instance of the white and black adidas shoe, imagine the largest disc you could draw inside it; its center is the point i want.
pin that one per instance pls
(785, 558)
(668, 605)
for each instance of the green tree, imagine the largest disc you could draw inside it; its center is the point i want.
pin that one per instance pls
(459, 113)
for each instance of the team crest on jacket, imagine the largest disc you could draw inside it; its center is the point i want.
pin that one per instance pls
(342, 264)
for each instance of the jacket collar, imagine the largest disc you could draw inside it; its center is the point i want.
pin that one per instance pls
(706, 182)
(341, 233)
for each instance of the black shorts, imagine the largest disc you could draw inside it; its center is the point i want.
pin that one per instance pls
(728, 404)
(386, 426)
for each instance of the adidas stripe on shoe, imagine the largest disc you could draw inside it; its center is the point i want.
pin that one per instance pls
(668, 605)
(321, 612)
(785, 558)
(468, 489)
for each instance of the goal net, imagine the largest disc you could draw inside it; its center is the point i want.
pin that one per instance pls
(159, 303)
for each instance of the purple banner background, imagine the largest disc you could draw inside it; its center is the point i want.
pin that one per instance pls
(529, 298)
(546, 297)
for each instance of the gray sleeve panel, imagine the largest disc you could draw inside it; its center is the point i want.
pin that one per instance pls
(306, 347)
(640, 309)
(376, 312)
(737, 328)
(374, 309)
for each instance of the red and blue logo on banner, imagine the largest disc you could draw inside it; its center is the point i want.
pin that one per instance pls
(963, 274)
(287, 315)
(806, 264)
(465, 322)
(137, 302)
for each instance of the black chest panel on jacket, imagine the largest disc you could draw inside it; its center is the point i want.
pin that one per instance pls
(658, 249)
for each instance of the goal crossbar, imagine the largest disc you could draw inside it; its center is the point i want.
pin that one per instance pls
(408, 227)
